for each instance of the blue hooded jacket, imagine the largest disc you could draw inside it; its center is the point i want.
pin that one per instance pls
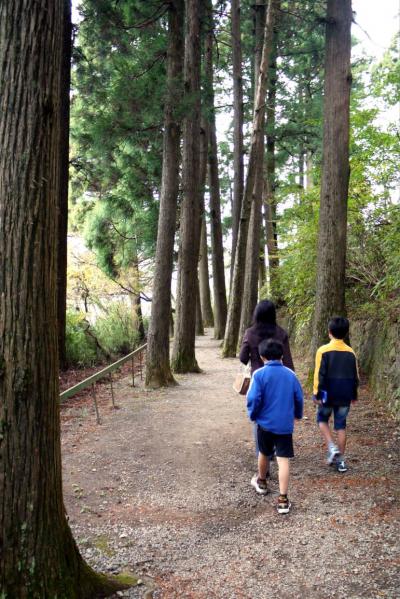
(275, 398)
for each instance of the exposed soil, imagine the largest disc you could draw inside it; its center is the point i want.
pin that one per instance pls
(162, 489)
(73, 376)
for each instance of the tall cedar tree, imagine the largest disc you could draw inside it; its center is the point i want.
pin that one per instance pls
(158, 370)
(63, 190)
(183, 356)
(218, 269)
(255, 157)
(269, 190)
(238, 166)
(204, 277)
(117, 133)
(207, 317)
(250, 290)
(39, 557)
(199, 314)
(331, 257)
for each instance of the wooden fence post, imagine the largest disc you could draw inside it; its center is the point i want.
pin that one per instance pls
(95, 403)
(112, 391)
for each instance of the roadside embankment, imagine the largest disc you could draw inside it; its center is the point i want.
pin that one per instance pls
(377, 344)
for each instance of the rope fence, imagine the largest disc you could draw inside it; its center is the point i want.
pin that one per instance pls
(136, 358)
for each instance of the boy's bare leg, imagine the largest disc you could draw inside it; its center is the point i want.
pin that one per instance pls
(283, 474)
(263, 465)
(326, 432)
(341, 436)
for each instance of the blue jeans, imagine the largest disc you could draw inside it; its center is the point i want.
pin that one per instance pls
(339, 415)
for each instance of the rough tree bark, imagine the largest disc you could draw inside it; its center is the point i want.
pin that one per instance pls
(250, 290)
(158, 370)
(199, 313)
(238, 166)
(262, 269)
(39, 557)
(204, 278)
(232, 327)
(65, 85)
(201, 290)
(331, 256)
(137, 302)
(309, 170)
(270, 183)
(183, 354)
(218, 267)
(139, 314)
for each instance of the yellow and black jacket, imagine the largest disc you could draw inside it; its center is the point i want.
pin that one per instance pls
(336, 373)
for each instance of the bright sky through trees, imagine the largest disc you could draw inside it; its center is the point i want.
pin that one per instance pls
(377, 23)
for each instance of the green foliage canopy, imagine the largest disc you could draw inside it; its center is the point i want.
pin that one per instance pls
(116, 124)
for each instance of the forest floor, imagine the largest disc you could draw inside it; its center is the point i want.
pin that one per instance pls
(161, 489)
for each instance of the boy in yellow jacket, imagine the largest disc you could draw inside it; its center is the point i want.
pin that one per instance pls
(335, 388)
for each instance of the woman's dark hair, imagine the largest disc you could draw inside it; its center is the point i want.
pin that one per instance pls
(264, 319)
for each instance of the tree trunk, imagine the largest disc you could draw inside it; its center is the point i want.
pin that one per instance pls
(238, 167)
(136, 303)
(183, 357)
(331, 257)
(301, 168)
(232, 328)
(158, 371)
(250, 290)
(139, 314)
(39, 557)
(309, 171)
(270, 184)
(65, 84)
(204, 278)
(262, 271)
(199, 314)
(135, 296)
(218, 267)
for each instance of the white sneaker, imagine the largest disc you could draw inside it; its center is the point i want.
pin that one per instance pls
(341, 465)
(333, 453)
(283, 504)
(259, 485)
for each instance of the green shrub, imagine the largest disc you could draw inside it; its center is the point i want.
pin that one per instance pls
(80, 348)
(117, 330)
(297, 272)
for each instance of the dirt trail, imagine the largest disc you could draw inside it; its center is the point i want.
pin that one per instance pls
(162, 489)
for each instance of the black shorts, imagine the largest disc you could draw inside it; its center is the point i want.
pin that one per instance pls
(268, 443)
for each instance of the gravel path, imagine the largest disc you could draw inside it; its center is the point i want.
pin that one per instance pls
(161, 489)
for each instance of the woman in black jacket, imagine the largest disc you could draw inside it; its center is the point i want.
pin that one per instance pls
(264, 327)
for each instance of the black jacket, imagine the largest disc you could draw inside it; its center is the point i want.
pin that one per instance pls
(336, 373)
(251, 341)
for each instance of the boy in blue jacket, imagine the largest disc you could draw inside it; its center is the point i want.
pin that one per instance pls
(274, 400)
